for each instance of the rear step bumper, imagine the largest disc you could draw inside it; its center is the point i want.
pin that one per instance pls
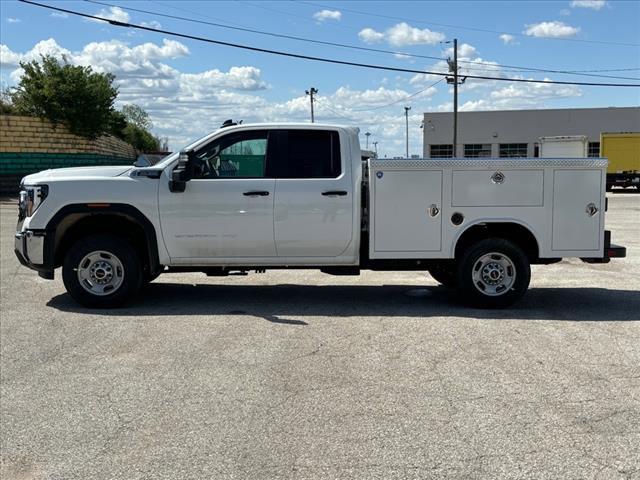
(610, 251)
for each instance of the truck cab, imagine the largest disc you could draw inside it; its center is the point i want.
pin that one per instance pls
(270, 196)
(267, 195)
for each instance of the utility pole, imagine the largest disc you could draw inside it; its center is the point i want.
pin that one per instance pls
(453, 68)
(406, 118)
(311, 92)
(367, 134)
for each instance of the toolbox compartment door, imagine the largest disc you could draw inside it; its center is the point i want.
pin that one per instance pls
(577, 210)
(497, 188)
(408, 211)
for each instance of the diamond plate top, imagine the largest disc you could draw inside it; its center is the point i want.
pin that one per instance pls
(491, 163)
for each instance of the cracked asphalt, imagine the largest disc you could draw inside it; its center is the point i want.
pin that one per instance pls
(301, 375)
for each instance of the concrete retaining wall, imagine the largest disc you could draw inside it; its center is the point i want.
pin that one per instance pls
(29, 145)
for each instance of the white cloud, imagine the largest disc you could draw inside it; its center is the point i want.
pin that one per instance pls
(422, 79)
(369, 35)
(59, 15)
(8, 58)
(187, 105)
(182, 105)
(324, 15)
(592, 4)
(521, 95)
(404, 56)
(239, 78)
(113, 13)
(360, 99)
(151, 24)
(402, 34)
(553, 29)
(13, 20)
(464, 51)
(507, 39)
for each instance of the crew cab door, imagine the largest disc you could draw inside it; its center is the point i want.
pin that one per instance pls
(314, 194)
(226, 210)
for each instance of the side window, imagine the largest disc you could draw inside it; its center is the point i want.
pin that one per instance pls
(311, 154)
(237, 155)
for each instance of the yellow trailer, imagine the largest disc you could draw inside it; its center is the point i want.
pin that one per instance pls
(623, 152)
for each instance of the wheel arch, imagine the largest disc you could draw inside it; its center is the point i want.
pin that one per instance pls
(120, 219)
(510, 229)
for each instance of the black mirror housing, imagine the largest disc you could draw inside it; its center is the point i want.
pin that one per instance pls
(181, 174)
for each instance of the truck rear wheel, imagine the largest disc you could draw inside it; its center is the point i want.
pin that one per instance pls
(493, 273)
(102, 271)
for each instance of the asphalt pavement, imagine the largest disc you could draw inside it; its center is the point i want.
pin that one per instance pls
(301, 375)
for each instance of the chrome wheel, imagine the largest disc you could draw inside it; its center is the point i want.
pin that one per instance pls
(494, 274)
(100, 273)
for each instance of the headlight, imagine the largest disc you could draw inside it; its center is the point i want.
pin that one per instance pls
(31, 197)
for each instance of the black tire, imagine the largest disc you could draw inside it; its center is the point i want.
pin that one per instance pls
(509, 261)
(126, 266)
(149, 277)
(445, 274)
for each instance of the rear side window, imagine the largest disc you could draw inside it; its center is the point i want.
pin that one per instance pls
(310, 154)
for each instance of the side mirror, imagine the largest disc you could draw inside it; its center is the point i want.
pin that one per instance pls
(141, 162)
(181, 174)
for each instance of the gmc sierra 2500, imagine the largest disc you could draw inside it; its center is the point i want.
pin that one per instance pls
(266, 196)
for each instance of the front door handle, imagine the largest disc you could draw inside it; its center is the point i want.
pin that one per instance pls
(334, 193)
(256, 193)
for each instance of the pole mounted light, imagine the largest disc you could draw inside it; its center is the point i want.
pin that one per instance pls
(406, 118)
(311, 92)
(367, 134)
(455, 80)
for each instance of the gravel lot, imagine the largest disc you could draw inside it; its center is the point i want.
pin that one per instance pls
(303, 375)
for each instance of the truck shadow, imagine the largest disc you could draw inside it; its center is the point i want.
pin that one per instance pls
(281, 304)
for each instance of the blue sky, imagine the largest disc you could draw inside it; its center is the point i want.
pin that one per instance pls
(189, 88)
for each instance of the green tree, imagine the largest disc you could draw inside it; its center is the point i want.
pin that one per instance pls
(117, 124)
(141, 139)
(63, 93)
(6, 104)
(137, 115)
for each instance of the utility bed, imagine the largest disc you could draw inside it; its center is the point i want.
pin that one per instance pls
(419, 208)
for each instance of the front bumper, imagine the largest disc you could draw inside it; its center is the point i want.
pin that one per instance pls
(30, 247)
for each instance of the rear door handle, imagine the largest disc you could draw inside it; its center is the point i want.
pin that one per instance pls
(334, 193)
(256, 193)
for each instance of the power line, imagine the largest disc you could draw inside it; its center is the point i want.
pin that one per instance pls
(323, 102)
(399, 100)
(461, 27)
(545, 70)
(262, 32)
(313, 58)
(241, 28)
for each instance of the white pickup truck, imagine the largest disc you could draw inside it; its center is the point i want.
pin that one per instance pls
(273, 196)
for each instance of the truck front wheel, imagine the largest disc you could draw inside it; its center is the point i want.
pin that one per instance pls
(493, 273)
(102, 271)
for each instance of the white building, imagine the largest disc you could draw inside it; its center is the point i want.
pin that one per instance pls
(515, 133)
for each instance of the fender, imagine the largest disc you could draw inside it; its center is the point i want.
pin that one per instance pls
(123, 209)
(480, 221)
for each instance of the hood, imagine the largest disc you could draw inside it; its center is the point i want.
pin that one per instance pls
(77, 172)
